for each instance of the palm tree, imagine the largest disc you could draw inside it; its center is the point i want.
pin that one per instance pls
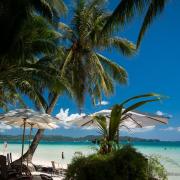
(29, 69)
(84, 62)
(110, 129)
(128, 9)
(83, 67)
(80, 64)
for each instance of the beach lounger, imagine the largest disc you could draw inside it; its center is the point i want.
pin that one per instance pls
(57, 170)
(9, 159)
(7, 172)
(41, 176)
(3, 167)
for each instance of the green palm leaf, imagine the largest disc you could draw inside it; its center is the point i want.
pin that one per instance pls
(141, 96)
(138, 104)
(102, 124)
(155, 8)
(123, 13)
(117, 72)
(124, 46)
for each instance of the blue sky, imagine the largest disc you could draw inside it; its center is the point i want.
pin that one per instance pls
(155, 68)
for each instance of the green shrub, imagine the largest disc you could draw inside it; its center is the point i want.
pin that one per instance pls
(123, 164)
(156, 169)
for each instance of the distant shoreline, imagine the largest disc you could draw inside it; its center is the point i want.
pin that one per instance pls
(61, 138)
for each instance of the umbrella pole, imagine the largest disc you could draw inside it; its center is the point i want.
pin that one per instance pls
(29, 143)
(24, 126)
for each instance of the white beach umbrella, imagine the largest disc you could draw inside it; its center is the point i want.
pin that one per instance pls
(132, 119)
(28, 118)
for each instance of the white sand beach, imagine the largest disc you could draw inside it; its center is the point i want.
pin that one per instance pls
(52, 152)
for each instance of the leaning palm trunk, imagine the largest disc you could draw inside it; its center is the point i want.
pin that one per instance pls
(29, 154)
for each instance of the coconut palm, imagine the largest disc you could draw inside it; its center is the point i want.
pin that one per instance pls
(126, 10)
(110, 129)
(84, 62)
(30, 69)
(81, 65)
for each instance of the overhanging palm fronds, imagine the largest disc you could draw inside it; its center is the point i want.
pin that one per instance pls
(26, 66)
(15, 13)
(155, 8)
(128, 9)
(123, 13)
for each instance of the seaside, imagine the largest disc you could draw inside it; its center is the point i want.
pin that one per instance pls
(47, 152)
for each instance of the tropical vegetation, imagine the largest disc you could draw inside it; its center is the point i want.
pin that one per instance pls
(14, 15)
(156, 169)
(123, 164)
(109, 128)
(40, 54)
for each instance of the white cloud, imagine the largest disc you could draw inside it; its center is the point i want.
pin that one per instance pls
(4, 127)
(160, 113)
(170, 128)
(102, 103)
(63, 117)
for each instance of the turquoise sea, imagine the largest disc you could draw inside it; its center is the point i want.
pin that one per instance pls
(169, 152)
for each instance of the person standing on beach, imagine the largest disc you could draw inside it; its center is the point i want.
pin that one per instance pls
(62, 155)
(5, 147)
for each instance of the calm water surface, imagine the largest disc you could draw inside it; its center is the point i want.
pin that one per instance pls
(169, 152)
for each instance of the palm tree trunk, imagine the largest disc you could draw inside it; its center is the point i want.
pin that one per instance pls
(117, 140)
(29, 154)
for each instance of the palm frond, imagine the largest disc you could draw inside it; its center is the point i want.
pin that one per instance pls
(44, 8)
(149, 95)
(117, 72)
(64, 27)
(95, 3)
(102, 124)
(59, 6)
(138, 104)
(155, 8)
(124, 46)
(123, 13)
(101, 76)
(43, 46)
(66, 62)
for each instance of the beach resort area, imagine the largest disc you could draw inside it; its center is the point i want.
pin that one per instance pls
(89, 90)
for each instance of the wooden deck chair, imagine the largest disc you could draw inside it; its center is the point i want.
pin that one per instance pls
(9, 159)
(56, 170)
(3, 167)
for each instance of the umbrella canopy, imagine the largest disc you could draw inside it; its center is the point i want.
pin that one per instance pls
(33, 119)
(28, 118)
(132, 119)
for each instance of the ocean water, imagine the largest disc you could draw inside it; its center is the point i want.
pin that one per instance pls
(168, 152)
